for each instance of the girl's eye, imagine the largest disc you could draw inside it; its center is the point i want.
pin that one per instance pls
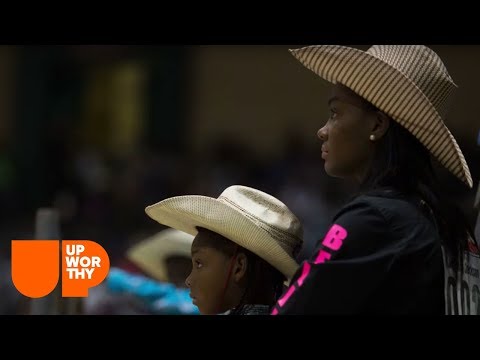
(198, 264)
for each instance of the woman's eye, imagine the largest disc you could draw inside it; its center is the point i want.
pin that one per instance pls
(198, 264)
(333, 113)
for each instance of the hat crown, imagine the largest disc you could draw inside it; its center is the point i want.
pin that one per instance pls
(422, 66)
(268, 213)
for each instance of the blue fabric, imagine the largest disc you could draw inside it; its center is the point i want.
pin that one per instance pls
(162, 298)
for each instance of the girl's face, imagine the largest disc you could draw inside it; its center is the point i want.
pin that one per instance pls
(213, 280)
(347, 149)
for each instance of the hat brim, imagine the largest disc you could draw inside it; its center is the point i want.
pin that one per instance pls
(379, 83)
(150, 254)
(187, 213)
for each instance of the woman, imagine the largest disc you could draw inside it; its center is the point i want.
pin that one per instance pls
(383, 252)
(244, 249)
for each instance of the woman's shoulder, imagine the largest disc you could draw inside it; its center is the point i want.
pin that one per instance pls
(378, 222)
(386, 205)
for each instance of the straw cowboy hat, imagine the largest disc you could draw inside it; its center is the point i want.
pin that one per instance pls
(150, 254)
(253, 219)
(409, 83)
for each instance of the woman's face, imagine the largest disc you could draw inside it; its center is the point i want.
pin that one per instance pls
(347, 149)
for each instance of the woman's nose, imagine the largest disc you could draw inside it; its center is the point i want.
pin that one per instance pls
(322, 133)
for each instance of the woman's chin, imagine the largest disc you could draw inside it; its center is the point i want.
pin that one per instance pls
(329, 170)
(332, 172)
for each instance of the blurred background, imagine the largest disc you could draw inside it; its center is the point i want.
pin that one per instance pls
(100, 132)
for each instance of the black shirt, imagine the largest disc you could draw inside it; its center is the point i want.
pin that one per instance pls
(382, 255)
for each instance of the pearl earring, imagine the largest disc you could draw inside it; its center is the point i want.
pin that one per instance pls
(372, 137)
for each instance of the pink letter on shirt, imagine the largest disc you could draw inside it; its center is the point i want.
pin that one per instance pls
(322, 257)
(305, 271)
(285, 298)
(335, 237)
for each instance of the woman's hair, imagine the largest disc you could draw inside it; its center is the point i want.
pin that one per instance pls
(262, 278)
(403, 163)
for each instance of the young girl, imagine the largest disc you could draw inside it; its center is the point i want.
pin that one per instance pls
(383, 252)
(244, 249)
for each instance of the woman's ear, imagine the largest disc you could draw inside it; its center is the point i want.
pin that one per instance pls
(240, 267)
(381, 125)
